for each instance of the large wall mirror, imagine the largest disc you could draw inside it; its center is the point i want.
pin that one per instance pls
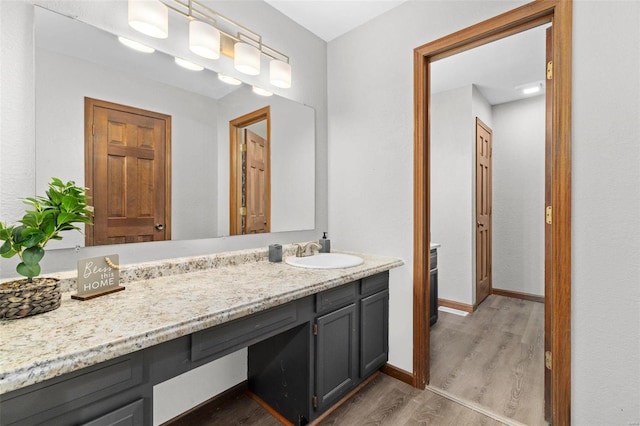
(77, 63)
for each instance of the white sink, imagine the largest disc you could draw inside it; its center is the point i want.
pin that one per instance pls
(325, 261)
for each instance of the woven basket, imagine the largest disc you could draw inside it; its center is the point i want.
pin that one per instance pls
(19, 299)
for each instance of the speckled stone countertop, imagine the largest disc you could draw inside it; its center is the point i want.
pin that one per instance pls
(162, 301)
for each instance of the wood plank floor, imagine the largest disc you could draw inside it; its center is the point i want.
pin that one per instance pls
(384, 401)
(493, 357)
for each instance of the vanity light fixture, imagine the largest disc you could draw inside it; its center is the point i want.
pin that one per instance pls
(260, 91)
(136, 46)
(228, 79)
(212, 34)
(150, 17)
(188, 64)
(204, 40)
(280, 73)
(246, 58)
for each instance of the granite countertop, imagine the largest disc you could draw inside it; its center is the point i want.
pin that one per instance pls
(158, 309)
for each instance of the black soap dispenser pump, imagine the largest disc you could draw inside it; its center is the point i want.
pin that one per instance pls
(325, 244)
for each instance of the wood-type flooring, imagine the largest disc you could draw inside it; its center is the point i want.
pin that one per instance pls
(492, 358)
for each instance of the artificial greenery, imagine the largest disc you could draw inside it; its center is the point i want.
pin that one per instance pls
(64, 206)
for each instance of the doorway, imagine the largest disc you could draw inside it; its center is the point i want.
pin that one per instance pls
(484, 200)
(128, 173)
(250, 173)
(558, 249)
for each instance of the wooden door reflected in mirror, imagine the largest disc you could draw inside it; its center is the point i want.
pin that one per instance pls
(250, 173)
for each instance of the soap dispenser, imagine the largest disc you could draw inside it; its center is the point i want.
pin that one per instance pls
(325, 244)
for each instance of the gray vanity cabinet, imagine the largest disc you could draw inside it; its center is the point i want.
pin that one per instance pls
(433, 294)
(129, 415)
(336, 360)
(303, 357)
(374, 332)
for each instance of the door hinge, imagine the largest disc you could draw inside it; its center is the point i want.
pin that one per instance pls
(314, 401)
(549, 70)
(243, 147)
(548, 215)
(547, 360)
(315, 329)
(243, 211)
(93, 129)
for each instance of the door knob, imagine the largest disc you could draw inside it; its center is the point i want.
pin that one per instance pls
(159, 227)
(480, 225)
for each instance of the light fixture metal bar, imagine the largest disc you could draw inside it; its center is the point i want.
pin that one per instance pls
(193, 9)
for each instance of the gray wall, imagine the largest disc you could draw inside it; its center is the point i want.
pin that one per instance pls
(371, 179)
(518, 195)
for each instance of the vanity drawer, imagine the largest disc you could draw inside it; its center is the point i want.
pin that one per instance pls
(374, 283)
(336, 297)
(242, 332)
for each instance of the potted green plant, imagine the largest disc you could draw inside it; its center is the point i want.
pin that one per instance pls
(64, 206)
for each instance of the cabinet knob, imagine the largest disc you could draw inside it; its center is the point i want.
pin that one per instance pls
(159, 227)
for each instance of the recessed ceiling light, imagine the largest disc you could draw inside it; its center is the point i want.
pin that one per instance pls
(188, 64)
(260, 91)
(229, 80)
(136, 46)
(531, 90)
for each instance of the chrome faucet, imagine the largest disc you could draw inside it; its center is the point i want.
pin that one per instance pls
(302, 250)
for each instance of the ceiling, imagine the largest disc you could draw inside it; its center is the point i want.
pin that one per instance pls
(498, 69)
(329, 19)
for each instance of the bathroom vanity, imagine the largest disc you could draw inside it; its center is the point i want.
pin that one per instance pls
(312, 337)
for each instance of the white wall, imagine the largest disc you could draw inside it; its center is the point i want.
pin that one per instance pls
(371, 192)
(452, 192)
(606, 214)
(62, 82)
(518, 195)
(17, 110)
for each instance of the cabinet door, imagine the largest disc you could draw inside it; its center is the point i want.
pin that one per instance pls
(336, 357)
(374, 332)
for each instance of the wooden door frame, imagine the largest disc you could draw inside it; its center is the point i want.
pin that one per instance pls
(235, 166)
(528, 16)
(89, 104)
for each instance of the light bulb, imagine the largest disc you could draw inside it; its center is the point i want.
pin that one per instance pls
(150, 17)
(246, 58)
(204, 40)
(280, 73)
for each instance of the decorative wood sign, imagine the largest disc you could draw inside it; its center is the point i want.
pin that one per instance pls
(98, 276)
